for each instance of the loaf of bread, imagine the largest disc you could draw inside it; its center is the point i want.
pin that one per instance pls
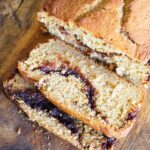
(113, 32)
(83, 89)
(42, 111)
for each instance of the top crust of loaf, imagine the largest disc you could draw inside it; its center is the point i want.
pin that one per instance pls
(67, 9)
(105, 20)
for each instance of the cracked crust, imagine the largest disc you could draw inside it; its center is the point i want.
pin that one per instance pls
(105, 23)
(73, 8)
(103, 19)
(137, 27)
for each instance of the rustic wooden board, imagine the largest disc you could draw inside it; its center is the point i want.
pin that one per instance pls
(19, 33)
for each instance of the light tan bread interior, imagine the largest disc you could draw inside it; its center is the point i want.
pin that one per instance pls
(112, 101)
(89, 139)
(131, 69)
(117, 22)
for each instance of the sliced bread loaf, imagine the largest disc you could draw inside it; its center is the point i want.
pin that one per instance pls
(82, 88)
(42, 111)
(98, 30)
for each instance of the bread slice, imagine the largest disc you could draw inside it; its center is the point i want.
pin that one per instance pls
(97, 30)
(80, 87)
(42, 111)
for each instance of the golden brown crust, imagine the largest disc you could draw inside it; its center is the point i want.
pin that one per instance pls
(137, 27)
(105, 21)
(94, 123)
(137, 24)
(143, 53)
(65, 9)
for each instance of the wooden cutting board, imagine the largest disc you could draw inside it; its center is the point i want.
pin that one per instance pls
(19, 33)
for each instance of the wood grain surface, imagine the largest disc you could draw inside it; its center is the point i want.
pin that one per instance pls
(19, 33)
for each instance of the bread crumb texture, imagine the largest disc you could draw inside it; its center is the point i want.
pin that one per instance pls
(85, 138)
(109, 99)
(131, 69)
(117, 22)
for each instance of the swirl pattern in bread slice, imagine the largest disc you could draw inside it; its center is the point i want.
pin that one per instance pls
(82, 88)
(42, 111)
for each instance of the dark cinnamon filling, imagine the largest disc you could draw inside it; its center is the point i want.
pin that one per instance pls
(108, 144)
(148, 79)
(88, 88)
(63, 30)
(35, 99)
(87, 51)
(148, 62)
(132, 115)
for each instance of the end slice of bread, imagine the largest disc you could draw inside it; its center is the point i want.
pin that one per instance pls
(80, 87)
(42, 111)
(96, 47)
